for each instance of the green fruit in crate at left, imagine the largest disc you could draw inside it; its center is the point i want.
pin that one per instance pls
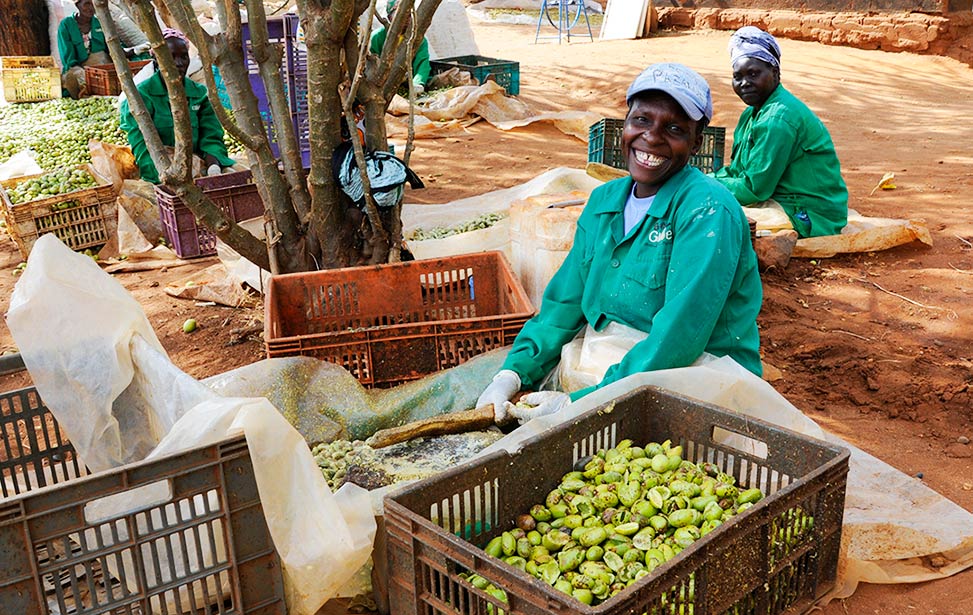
(51, 184)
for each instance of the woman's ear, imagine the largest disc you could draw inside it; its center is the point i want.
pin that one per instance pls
(698, 141)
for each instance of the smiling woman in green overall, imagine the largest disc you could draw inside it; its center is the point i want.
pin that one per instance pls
(663, 255)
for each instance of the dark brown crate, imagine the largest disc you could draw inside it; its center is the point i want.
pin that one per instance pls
(58, 558)
(389, 324)
(435, 528)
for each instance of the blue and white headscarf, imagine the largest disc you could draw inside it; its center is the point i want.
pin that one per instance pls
(752, 42)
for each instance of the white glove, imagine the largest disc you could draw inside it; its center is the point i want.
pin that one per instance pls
(141, 48)
(214, 169)
(542, 402)
(505, 385)
(419, 88)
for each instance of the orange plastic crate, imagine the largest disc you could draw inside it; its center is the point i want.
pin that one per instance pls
(389, 324)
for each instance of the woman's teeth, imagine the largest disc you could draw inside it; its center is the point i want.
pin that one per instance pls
(646, 159)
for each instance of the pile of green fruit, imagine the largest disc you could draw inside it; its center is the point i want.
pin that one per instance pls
(58, 131)
(480, 222)
(334, 458)
(51, 184)
(624, 513)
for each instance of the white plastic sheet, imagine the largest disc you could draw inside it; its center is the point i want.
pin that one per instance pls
(106, 378)
(896, 530)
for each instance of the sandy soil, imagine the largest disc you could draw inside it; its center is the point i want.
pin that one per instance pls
(876, 347)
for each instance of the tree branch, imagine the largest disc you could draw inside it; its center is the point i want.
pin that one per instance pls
(153, 142)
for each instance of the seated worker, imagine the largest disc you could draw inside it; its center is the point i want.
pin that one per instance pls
(80, 43)
(420, 61)
(662, 256)
(781, 150)
(207, 132)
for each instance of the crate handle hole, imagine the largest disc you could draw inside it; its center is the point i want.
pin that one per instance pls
(740, 442)
(133, 500)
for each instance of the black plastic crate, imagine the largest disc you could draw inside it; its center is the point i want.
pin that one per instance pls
(504, 72)
(435, 529)
(605, 146)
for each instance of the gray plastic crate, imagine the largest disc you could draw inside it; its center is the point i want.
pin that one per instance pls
(198, 542)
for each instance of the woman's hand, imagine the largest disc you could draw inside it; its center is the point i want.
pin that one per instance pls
(500, 391)
(540, 403)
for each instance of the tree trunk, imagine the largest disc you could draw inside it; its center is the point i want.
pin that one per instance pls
(25, 28)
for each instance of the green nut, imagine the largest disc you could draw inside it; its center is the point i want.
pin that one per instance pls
(595, 553)
(508, 544)
(750, 496)
(593, 536)
(684, 517)
(569, 560)
(629, 493)
(524, 547)
(540, 513)
(554, 540)
(494, 548)
(516, 561)
(549, 572)
(644, 508)
(571, 484)
(627, 529)
(558, 511)
(643, 539)
(534, 537)
(564, 586)
(478, 582)
(660, 462)
(686, 536)
(583, 595)
(657, 496)
(614, 561)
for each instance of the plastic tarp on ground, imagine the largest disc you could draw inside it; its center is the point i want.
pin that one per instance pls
(450, 111)
(861, 234)
(103, 373)
(896, 530)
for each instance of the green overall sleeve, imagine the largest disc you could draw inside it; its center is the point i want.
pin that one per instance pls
(209, 138)
(755, 178)
(137, 141)
(70, 45)
(420, 64)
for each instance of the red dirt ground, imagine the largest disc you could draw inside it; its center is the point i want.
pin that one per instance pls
(876, 347)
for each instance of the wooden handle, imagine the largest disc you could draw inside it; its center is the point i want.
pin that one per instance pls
(453, 422)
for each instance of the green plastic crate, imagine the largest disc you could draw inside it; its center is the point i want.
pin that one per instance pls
(505, 73)
(605, 146)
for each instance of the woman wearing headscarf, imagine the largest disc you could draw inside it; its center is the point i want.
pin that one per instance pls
(781, 150)
(662, 269)
(207, 132)
(80, 43)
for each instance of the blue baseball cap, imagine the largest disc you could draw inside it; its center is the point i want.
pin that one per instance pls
(679, 81)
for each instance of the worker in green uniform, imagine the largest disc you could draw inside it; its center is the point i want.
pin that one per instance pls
(781, 150)
(420, 61)
(663, 255)
(80, 43)
(207, 132)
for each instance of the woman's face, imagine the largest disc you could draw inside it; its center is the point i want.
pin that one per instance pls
(180, 54)
(754, 80)
(657, 140)
(86, 9)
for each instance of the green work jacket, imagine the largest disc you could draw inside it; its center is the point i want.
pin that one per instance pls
(420, 63)
(70, 44)
(686, 275)
(207, 131)
(784, 152)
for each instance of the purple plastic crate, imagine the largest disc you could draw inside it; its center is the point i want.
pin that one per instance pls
(283, 31)
(234, 193)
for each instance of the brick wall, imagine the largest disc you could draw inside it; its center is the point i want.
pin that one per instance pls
(949, 34)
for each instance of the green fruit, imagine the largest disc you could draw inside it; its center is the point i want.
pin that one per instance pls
(189, 326)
